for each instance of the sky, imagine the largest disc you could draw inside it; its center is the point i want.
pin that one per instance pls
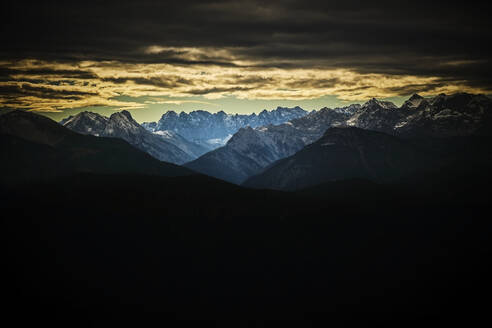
(61, 57)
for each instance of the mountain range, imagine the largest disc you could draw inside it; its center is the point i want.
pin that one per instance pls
(254, 149)
(343, 154)
(35, 148)
(365, 224)
(212, 130)
(460, 114)
(251, 150)
(176, 138)
(167, 147)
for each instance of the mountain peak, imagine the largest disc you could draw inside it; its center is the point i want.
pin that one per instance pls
(415, 96)
(246, 140)
(414, 101)
(32, 127)
(214, 130)
(244, 134)
(280, 108)
(372, 101)
(350, 109)
(380, 103)
(169, 114)
(87, 114)
(127, 114)
(123, 115)
(83, 119)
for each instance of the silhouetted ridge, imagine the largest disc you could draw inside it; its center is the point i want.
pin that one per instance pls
(344, 153)
(46, 150)
(33, 127)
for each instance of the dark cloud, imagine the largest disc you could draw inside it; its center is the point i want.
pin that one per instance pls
(217, 90)
(416, 88)
(69, 74)
(251, 80)
(313, 83)
(352, 89)
(25, 89)
(420, 38)
(166, 83)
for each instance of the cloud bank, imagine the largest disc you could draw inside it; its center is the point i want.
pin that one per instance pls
(72, 54)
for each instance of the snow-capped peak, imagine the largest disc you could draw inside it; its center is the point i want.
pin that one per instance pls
(380, 103)
(122, 116)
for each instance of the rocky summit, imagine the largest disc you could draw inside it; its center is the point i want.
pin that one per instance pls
(213, 130)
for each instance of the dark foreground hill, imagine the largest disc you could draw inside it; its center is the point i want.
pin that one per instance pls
(344, 153)
(353, 153)
(33, 147)
(132, 250)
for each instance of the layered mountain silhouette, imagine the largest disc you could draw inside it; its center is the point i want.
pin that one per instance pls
(212, 130)
(396, 230)
(168, 147)
(253, 142)
(460, 114)
(345, 154)
(249, 152)
(252, 149)
(36, 148)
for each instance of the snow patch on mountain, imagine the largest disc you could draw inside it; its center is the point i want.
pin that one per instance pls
(122, 125)
(258, 147)
(213, 130)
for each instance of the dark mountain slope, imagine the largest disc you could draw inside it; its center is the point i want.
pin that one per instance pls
(345, 153)
(250, 150)
(24, 160)
(226, 164)
(194, 150)
(134, 249)
(444, 116)
(33, 127)
(138, 250)
(122, 125)
(94, 250)
(35, 147)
